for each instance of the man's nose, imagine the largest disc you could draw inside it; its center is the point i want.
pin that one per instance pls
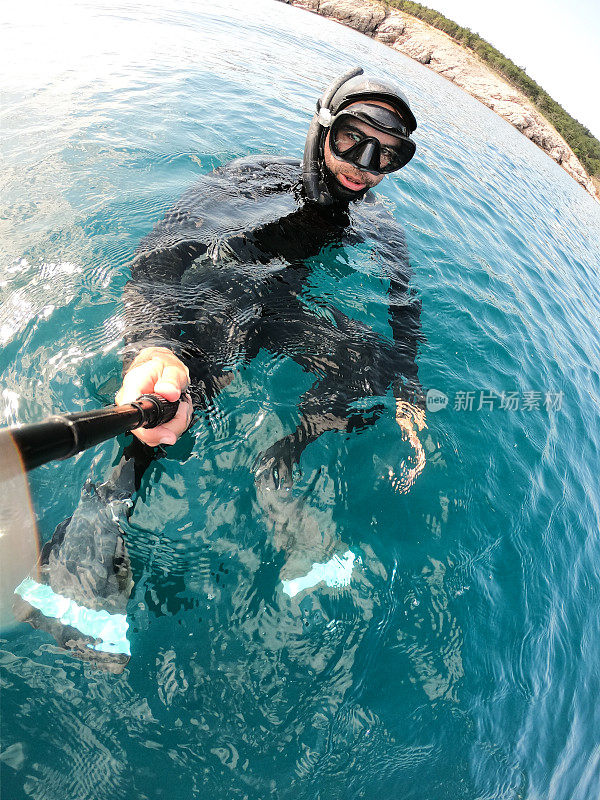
(368, 155)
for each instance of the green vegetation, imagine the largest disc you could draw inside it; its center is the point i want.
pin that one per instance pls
(585, 146)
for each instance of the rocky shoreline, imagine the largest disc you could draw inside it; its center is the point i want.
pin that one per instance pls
(439, 52)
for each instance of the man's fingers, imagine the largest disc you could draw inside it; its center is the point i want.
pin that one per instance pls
(139, 380)
(169, 432)
(154, 376)
(172, 430)
(172, 382)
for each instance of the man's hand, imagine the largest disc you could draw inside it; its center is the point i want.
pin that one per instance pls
(157, 369)
(410, 418)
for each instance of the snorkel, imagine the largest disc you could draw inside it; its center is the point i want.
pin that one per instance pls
(311, 165)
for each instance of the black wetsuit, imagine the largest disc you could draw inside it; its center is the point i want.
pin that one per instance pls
(224, 275)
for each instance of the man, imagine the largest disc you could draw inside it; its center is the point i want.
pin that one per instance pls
(260, 213)
(225, 275)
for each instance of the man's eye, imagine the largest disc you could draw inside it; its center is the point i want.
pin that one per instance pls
(352, 135)
(347, 137)
(388, 155)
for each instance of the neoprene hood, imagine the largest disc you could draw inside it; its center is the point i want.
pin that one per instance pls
(319, 184)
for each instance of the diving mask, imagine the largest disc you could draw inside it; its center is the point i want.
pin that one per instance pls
(350, 142)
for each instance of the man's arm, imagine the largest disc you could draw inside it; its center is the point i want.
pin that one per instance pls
(216, 208)
(405, 322)
(388, 241)
(212, 215)
(151, 296)
(152, 360)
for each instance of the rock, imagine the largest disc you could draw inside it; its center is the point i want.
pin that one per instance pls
(420, 51)
(559, 154)
(391, 28)
(363, 17)
(309, 5)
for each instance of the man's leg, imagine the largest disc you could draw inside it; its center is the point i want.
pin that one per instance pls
(85, 576)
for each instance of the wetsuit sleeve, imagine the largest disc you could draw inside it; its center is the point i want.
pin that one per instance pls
(405, 321)
(390, 248)
(212, 215)
(152, 298)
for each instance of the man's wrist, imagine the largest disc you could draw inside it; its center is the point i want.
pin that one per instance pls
(409, 391)
(148, 353)
(144, 350)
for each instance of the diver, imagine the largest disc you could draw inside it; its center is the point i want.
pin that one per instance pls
(224, 275)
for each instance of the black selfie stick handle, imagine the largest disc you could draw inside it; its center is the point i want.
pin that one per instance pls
(64, 436)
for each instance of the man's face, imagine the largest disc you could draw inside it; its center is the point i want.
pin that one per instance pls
(348, 175)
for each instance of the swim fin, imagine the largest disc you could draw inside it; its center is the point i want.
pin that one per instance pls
(85, 576)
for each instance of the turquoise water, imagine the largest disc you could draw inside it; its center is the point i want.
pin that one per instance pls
(461, 661)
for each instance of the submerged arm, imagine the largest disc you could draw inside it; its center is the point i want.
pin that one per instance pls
(154, 350)
(405, 321)
(391, 250)
(150, 297)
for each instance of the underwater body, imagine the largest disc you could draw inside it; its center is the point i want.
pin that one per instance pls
(455, 655)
